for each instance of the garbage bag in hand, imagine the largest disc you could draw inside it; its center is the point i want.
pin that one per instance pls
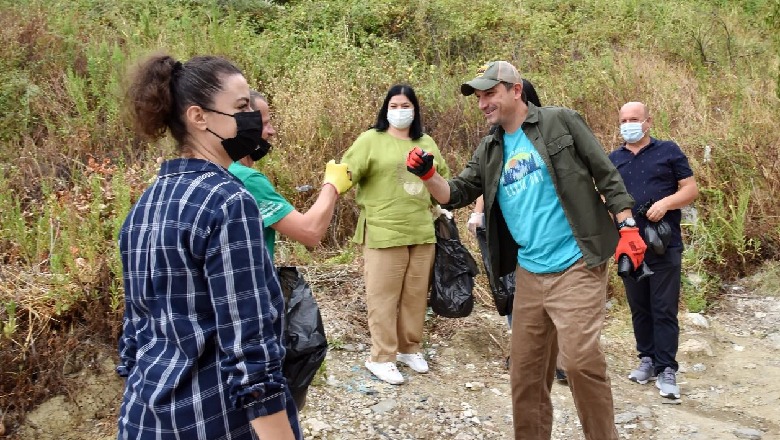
(504, 292)
(453, 272)
(304, 335)
(658, 235)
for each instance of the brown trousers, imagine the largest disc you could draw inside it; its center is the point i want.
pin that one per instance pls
(397, 282)
(564, 310)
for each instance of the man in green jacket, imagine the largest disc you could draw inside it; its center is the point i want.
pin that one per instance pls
(543, 174)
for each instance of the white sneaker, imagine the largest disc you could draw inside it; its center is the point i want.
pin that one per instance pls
(415, 361)
(385, 371)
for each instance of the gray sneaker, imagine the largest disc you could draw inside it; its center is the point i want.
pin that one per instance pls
(560, 376)
(667, 383)
(644, 372)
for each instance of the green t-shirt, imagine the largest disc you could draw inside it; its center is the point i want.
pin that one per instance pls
(394, 203)
(273, 207)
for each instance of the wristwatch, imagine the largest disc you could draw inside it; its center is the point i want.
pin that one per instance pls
(629, 222)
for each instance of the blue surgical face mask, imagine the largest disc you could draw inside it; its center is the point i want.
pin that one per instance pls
(632, 131)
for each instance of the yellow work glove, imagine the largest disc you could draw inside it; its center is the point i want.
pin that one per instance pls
(338, 175)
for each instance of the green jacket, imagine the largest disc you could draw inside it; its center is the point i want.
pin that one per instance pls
(580, 171)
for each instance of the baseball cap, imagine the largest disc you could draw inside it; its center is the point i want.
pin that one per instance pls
(491, 74)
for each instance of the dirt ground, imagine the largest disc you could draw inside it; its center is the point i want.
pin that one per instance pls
(729, 376)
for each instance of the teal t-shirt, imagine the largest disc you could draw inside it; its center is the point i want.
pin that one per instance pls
(273, 207)
(540, 227)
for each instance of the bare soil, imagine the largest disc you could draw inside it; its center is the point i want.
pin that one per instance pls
(730, 380)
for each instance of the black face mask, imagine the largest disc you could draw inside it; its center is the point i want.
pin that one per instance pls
(249, 132)
(261, 150)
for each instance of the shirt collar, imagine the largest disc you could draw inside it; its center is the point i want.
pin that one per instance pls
(178, 166)
(650, 144)
(533, 115)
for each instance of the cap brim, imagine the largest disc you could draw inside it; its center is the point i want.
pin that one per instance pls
(477, 84)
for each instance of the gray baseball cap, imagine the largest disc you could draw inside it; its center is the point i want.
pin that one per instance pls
(491, 74)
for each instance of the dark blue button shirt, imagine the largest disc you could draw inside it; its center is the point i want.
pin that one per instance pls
(654, 173)
(202, 333)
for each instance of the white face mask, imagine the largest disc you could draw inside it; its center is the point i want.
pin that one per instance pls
(400, 117)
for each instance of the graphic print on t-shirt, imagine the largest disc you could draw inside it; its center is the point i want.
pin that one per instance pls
(411, 183)
(269, 208)
(537, 221)
(521, 170)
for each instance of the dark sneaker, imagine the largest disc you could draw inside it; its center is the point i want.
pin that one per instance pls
(560, 376)
(644, 372)
(667, 384)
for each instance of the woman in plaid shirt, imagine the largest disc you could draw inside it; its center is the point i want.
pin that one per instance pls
(201, 346)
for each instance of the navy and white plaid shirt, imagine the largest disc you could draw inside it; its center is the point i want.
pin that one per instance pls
(202, 340)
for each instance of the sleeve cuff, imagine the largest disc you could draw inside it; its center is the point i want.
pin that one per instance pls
(122, 370)
(266, 406)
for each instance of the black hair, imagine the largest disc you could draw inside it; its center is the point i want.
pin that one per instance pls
(529, 94)
(381, 124)
(161, 89)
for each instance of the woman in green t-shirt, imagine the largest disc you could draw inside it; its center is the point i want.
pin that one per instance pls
(396, 229)
(278, 214)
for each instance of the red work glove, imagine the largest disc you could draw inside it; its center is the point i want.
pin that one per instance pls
(631, 244)
(420, 163)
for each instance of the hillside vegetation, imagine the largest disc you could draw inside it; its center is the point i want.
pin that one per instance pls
(70, 168)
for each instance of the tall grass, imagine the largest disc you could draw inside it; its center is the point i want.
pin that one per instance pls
(70, 168)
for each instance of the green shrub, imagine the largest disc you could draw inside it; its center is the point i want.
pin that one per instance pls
(70, 168)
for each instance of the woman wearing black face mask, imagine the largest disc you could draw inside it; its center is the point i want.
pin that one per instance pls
(278, 214)
(200, 344)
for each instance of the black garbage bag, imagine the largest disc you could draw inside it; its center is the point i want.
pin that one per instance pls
(304, 336)
(504, 292)
(453, 272)
(658, 234)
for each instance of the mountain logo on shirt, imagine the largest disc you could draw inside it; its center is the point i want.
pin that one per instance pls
(517, 167)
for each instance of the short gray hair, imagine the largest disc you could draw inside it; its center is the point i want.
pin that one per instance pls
(254, 95)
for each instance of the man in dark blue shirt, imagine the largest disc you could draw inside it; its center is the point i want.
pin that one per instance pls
(658, 176)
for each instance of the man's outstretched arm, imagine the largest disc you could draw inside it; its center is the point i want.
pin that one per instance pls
(420, 163)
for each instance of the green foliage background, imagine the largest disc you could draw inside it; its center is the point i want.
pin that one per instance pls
(70, 168)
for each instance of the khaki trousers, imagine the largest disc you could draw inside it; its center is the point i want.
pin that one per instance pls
(564, 309)
(397, 282)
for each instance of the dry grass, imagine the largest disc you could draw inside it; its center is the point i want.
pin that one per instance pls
(59, 101)
(47, 343)
(340, 293)
(766, 280)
